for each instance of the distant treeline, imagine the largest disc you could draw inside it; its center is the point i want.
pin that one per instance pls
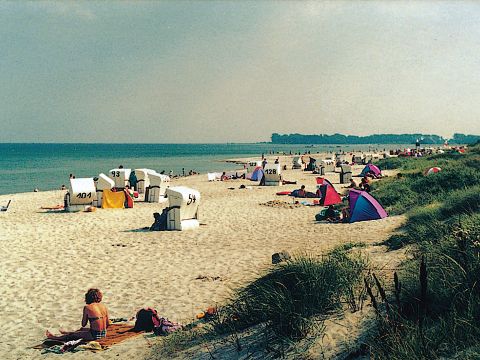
(372, 139)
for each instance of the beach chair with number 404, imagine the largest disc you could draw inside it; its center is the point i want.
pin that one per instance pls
(5, 208)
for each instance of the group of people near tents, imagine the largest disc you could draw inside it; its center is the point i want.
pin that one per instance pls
(361, 205)
(371, 171)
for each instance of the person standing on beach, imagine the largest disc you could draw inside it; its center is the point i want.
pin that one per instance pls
(132, 180)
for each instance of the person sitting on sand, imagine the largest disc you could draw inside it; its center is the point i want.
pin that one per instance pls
(352, 185)
(330, 214)
(365, 185)
(160, 222)
(95, 313)
(301, 192)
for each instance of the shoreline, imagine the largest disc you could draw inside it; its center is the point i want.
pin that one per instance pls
(235, 160)
(47, 167)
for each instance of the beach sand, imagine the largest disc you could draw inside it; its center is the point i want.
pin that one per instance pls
(50, 259)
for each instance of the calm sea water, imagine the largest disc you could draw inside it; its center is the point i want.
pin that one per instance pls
(24, 167)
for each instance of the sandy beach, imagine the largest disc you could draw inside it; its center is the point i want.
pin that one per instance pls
(50, 259)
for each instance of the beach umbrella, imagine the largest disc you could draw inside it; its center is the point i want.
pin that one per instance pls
(433, 170)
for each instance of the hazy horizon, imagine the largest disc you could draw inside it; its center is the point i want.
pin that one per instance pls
(219, 143)
(236, 72)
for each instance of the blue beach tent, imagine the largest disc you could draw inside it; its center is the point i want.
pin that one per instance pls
(256, 175)
(364, 206)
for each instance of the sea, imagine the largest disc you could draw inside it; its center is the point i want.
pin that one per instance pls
(24, 167)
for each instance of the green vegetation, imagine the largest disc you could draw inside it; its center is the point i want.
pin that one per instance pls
(411, 189)
(430, 311)
(438, 316)
(293, 295)
(434, 308)
(370, 139)
(286, 304)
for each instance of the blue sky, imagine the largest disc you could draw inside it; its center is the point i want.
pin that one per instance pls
(236, 71)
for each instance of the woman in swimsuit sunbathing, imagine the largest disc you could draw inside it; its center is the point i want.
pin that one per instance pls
(95, 313)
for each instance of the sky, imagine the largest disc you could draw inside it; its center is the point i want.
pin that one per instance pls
(236, 71)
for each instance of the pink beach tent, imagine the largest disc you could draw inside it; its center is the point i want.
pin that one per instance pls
(373, 168)
(329, 195)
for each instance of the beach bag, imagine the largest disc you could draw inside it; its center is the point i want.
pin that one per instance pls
(321, 215)
(149, 320)
(164, 327)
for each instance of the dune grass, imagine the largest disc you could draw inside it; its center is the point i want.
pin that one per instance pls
(464, 201)
(432, 221)
(445, 319)
(412, 189)
(291, 297)
(433, 310)
(287, 303)
(431, 202)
